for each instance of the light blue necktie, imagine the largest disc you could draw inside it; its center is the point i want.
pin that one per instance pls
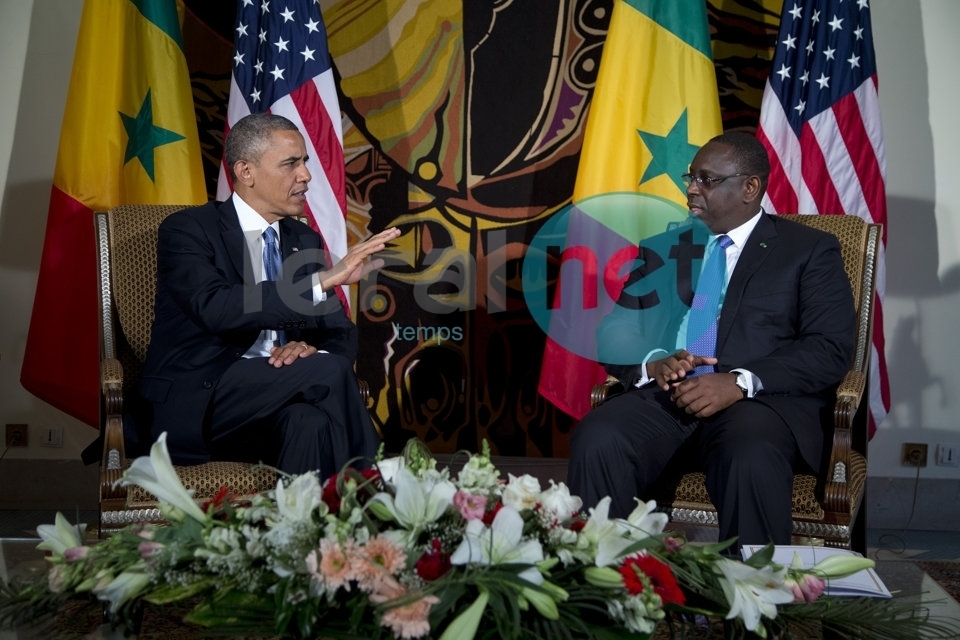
(271, 266)
(705, 311)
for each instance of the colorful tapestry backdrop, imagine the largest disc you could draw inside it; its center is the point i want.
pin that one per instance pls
(462, 126)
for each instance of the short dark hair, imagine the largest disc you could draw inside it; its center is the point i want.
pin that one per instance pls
(249, 136)
(749, 154)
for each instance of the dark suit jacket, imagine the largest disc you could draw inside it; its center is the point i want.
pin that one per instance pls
(209, 312)
(788, 316)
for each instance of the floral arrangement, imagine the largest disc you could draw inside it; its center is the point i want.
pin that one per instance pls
(406, 550)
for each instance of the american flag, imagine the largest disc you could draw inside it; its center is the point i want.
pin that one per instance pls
(820, 122)
(281, 64)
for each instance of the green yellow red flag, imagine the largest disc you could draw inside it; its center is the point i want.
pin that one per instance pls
(129, 136)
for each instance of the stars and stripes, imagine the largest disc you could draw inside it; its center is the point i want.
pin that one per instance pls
(820, 122)
(281, 64)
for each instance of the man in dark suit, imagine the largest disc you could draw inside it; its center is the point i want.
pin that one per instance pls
(748, 413)
(245, 364)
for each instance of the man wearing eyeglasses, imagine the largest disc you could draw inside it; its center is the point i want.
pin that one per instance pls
(734, 380)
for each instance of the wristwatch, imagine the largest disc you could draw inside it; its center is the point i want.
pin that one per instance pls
(741, 382)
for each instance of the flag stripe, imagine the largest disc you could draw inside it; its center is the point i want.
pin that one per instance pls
(814, 170)
(163, 14)
(777, 137)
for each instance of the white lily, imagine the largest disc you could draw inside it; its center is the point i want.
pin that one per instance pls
(157, 475)
(418, 501)
(388, 468)
(122, 588)
(644, 521)
(502, 543)
(603, 535)
(841, 565)
(60, 536)
(297, 501)
(753, 592)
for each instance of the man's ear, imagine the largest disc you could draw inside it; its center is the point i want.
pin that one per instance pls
(752, 189)
(242, 173)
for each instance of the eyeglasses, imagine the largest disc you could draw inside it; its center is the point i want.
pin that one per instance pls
(706, 182)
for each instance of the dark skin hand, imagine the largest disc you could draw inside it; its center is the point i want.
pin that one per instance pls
(289, 353)
(701, 396)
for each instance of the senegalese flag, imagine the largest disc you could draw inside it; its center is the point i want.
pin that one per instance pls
(129, 136)
(654, 104)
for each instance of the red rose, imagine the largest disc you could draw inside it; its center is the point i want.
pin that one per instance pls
(433, 563)
(492, 513)
(657, 572)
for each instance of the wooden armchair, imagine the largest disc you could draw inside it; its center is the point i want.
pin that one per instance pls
(127, 261)
(828, 507)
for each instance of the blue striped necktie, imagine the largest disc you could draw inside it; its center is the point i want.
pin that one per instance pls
(271, 266)
(705, 311)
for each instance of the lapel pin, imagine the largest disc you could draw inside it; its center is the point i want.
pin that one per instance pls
(763, 245)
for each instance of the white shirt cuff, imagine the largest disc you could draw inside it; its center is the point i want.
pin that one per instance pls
(645, 378)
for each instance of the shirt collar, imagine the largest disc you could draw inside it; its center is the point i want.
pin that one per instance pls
(740, 234)
(250, 220)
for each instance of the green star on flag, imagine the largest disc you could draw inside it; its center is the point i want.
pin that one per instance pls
(143, 136)
(671, 153)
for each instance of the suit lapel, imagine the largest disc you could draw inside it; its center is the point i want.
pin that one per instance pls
(761, 243)
(232, 234)
(291, 242)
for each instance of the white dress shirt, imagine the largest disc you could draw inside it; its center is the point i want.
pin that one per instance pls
(253, 226)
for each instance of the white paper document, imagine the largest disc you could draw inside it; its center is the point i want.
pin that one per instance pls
(861, 583)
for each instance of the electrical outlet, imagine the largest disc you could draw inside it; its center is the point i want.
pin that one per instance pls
(16, 435)
(914, 454)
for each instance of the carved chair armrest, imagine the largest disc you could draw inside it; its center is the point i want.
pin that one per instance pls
(837, 487)
(114, 454)
(606, 389)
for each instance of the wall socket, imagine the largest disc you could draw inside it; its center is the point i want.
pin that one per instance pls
(914, 454)
(16, 435)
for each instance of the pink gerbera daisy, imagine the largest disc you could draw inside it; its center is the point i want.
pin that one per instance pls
(408, 620)
(379, 558)
(335, 570)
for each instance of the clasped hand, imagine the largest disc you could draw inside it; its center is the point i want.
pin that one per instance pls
(701, 396)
